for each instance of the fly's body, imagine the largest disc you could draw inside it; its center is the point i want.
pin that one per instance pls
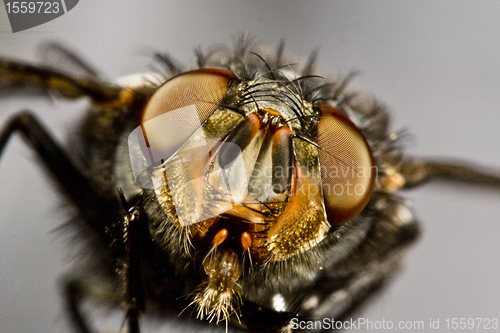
(246, 191)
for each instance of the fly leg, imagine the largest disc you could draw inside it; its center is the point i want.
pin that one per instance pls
(16, 77)
(102, 213)
(93, 207)
(130, 266)
(77, 289)
(74, 292)
(416, 172)
(77, 188)
(127, 266)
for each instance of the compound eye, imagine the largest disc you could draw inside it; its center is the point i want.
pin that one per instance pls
(347, 166)
(180, 106)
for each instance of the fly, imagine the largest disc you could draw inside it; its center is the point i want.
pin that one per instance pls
(247, 191)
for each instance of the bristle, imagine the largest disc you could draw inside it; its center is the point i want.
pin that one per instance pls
(215, 304)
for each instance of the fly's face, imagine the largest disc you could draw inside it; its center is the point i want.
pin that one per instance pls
(249, 172)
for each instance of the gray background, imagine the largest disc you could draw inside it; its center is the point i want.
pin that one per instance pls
(436, 64)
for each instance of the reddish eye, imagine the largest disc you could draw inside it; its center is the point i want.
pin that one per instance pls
(179, 107)
(347, 167)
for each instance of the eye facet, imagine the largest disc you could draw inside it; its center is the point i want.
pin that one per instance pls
(179, 107)
(347, 168)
